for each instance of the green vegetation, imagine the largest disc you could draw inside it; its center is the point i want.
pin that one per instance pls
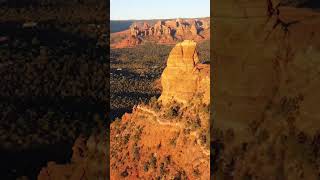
(155, 105)
(137, 135)
(162, 169)
(146, 166)
(167, 159)
(173, 110)
(88, 11)
(181, 175)
(173, 141)
(126, 138)
(136, 152)
(205, 138)
(203, 108)
(54, 84)
(153, 161)
(134, 72)
(204, 51)
(125, 173)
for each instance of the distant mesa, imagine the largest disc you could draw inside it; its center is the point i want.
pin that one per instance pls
(129, 42)
(164, 32)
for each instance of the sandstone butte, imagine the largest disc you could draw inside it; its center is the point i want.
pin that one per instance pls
(185, 77)
(163, 32)
(266, 85)
(148, 144)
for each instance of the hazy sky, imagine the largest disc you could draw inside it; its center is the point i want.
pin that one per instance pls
(158, 9)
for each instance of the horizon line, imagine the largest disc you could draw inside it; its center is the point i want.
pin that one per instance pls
(159, 18)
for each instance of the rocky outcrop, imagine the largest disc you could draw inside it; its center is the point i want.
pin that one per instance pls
(89, 161)
(168, 140)
(194, 29)
(165, 32)
(128, 42)
(264, 90)
(185, 77)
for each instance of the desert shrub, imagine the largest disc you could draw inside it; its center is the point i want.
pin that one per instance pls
(125, 173)
(205, 108)
(173, 110)
(167, 159)
(137, 135)
(146, 166)
(186, 131)
(180, 175)
(153, 161)
(136, 152)
(127, 86)
(203, 137)
(196, 123)
(196, 172)
(204, 51)
(126, 138)
(162, 169)
(155, 104)
(153, 101)
(173, 141)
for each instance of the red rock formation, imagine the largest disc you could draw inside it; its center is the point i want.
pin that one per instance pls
(183, 75)
(89, 161)
(128, 42)
(151, 143)
(166, 32)
(194, 30)
(172, 24)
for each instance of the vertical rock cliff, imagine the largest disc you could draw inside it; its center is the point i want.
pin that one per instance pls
(265, 87)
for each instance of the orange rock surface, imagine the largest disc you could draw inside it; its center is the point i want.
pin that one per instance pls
(185, 77)
(151, 143)
(163, 32)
